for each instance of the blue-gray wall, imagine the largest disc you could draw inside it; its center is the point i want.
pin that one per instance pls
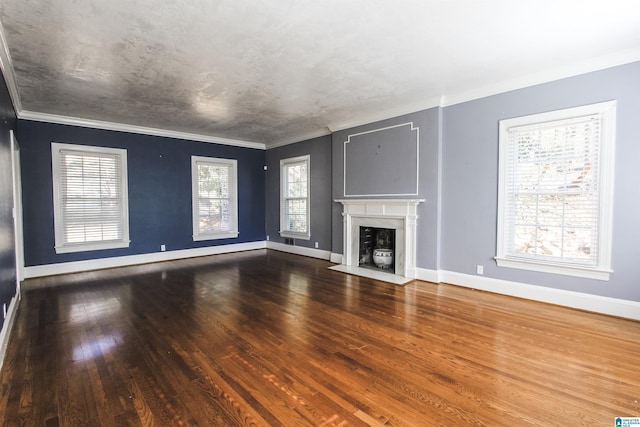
(389, 163)
(7, 235)
(319, 150)
(470, 178)
(159, 179)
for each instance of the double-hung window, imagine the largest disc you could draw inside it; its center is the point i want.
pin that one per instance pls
(215, 198)
(294, 198)
(556, 191)
(90, 197)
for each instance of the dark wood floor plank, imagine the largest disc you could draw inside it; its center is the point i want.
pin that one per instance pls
(263, 338)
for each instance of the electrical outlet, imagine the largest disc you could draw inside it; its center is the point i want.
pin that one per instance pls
(316, 245)
(267, 237)
(163, 248)
(479, 269)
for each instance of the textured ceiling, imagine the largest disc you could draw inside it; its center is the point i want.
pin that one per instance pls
(275, 71)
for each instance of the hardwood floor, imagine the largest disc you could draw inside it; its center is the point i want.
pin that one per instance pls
(267, 338)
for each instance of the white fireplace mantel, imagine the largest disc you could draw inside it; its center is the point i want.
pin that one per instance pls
(398, 214)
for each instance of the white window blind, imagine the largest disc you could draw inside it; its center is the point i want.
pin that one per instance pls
(552, 190)
(90, 198)
(295, 197)
(214, 198)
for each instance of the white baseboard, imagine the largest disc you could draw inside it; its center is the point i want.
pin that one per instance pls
(594, 303)
(7, 327)
(428, 275)
(336, 258)
(582, 301)
(97, 264)
(299, 250)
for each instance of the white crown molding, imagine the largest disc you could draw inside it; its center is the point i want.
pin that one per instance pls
(547, 76)
(594, 303)
(386, 114)
(6, 65)
(557, 73)
(124, 261)
(7, 327)
(299, 138)
(98, 124)
(550, 75)
(299, 250)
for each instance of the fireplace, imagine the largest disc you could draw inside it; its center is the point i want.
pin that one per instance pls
(398, 215)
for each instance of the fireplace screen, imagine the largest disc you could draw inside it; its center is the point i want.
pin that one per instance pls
(377, 248)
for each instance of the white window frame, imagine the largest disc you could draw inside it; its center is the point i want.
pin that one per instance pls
(284, 232)
(602, 270)
(213, 161)
(65, 247)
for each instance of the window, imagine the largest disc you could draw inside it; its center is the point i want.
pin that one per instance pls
(215, 198)
(90, 198)
(294, 198)
(556, 191)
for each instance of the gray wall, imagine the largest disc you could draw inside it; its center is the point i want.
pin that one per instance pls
(319, 150)
(428, 122)
(470, 178)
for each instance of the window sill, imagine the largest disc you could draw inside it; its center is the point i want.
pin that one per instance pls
(294, 235)
(225, 235)
(587, 273)
(94, 246)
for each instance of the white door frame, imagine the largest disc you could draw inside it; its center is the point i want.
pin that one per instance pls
(17, 211)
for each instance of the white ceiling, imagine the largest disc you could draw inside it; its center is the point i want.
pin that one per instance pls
(278, 71)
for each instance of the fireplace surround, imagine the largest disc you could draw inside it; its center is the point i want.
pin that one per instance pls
(396, 214)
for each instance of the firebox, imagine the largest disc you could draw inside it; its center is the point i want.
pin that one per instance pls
(377, 248)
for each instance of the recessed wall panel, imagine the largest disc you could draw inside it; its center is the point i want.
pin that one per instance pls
(382, 162)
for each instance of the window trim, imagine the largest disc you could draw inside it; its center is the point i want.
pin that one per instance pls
(60, 245)
(602, 270)
(287, 233)
(213, 235)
